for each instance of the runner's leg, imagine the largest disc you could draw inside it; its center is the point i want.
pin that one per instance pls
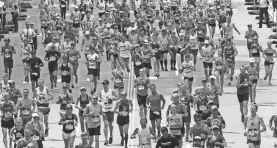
(71, 141)
(270, 73)
(126, 129)
(5, 137)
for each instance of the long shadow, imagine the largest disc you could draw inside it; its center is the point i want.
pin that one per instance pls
(235, 133)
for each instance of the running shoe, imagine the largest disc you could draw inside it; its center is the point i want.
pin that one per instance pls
(122, 142)
(242, 118)
(106, 142)
(111, 140)
(46, 132)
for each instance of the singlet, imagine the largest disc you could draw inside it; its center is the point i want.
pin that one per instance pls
(106, 96)
(253, 127)
(87, 43)
(243, 89)
(43, 92)
(212, 19)
(65, 69)
(187, 68)
(7, 110)
(96, 119)
(25, 112)
(207, 54)
(76, 16)
(18, 134)
(110, 6)
(123, 107)
(64, 101)
(144, 135)
(202, 104)
(251, 70)
(25, 51)
(219, 64)
(255, 50)
(92, 61)
(197, 131)
(228, 29)
(118, 80)
(101, 6)
(42, 102)
(142, 90)
(4, 86)
(113, 47)
(73, 56)
(174, 127)
(229, 51)
(164, 42)
(66, 46)
(84, 102)
(269, 52)
(69, 127)
(8, 52)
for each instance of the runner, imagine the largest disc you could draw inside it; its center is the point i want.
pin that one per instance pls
(175, 123)
(26, 107)
(157, 58)
(273, 128)
(219, 68)
(253, 77)
(17, 132)
(153, 101)
(93, 68)
(76, 17)
(27, 140)
(214, 91)
(65, 70)
(255, 51)
(230, 51)
(113, 51)
(84, 144)
(73, 56)
(242, 85)
(92, 112)
(216, 120)
(200, 97)
(7, 51)
(69, 121)
(167, 140)
(7, 110)
(26, 50)
(117, 77)
(142, 84)
(5, 83)
(145, 134)
(43, 97)
(64, 99)
(14, 93)
(253, 127)
(269, 53)
(146, 55)
(249, 35)
(52, 57)
(35, 64)
(163, 40)
(207, 52)
(198, 130)
(84, 100)
(216, 139)
(122, 108)
(108, 97)
(124, 53)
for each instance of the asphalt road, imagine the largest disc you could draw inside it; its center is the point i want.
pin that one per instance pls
(229, 107)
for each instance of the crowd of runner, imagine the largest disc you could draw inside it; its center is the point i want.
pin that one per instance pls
(147, 37)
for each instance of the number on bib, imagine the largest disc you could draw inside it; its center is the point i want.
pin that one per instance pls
(140, 87)
(63, 6)
(34, 73)
(26, 112)
(7, 55)
(69, 127)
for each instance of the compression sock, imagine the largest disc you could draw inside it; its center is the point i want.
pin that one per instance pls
(126, 139)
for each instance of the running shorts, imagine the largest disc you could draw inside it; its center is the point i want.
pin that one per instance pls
(7, 124)
(93, 72)
(109, 116)
(154, 116)
(187, 78)
(207, 64)
(257, 59)
(8, 63)
(66, 79)
(94, 131)
(122, 120)
(52, 67)
(243, 97)
(267, 63)
(34, 76)
(254, 142)
(141, 100)
(69, 135)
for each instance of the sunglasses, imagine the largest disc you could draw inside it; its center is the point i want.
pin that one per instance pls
(69, 108)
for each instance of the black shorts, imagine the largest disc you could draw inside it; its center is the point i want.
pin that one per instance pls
(147, 65)
(66, 79)
(201, 39)
(187, 78)
(188, 118)
(163, 52)
(178, 137)
(94, 131)
(8, 63)
(154, 116)
(254, 142)
(25, 61)
(212, 25)
(93, 72)
(267, 63)
(52, 67)
(116, 87)
(7, 124)
(81, 112)
(100, 14)
(158, 55)
(76, 25)
(206, 65)
(109, 116)
(243, 97)
(254, 81)
(141, 100)
(174, 8)
(34, 77)
(44, 27)
(122, 120)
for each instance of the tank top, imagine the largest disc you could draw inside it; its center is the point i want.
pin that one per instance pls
(65, 69)
(251, 70)
(144, 135)
(92, 62)
(42, 102)
(253, 127)
(5, 86)
(66, 47)
(69, 127)
(84, 102)
(198, 131)
(107, 100)
(212, 19)
(137, 4)
(123, 107)
(202, 104)
(207, 53)
(87, 43)
(118, 80)
(113, 47)
(7, 110)
(164, 43)
(25, 52)
(269, 54)
(76, 17)
(64, 101)
(43, 92)
(174, 127)
(187, 68)
(72, 54)
(18, 134)
(102, 6)
(219, 64)
(229, 52)
(110, 6)
(255, 50)
(96, 119)
(243, 89)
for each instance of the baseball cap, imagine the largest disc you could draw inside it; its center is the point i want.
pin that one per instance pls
(251, 60)
(109, 25)
(83, 88)
(87, 33)
(204, 80)
(255, 38)
(214, 107)
(48, 31)
(106, 82)
(64, 86)
(7, 40)
(146, 42)
(210, 102)
(215, 127)
(206, 42)
(212, 77)
(197, 138)
(34, 114)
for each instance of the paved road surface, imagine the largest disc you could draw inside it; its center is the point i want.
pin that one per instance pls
(167, 83)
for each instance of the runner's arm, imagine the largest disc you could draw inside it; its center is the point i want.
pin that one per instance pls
(115, 95)
(262, 124)
(152, 133)
(71, 99)
(135, 132)
(79, 54)
(49, 94)
(59, 100)
(34, 105)
(1, 110)
(238, 85)
(271, 120)
(86, 112)
(14, 108)
(163, 100)
(62, 120)
(13, 50)
(77, 103)
(236, 28)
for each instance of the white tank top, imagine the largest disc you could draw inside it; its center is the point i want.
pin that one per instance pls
(105, 96)
(4, 86)
(102, 6)
(43, 92)
(110, 5)
(144, 135)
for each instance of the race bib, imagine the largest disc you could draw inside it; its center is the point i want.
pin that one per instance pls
(219, 67)
(250, 40)
(18, 135)
(83, 12)
(138, 63)
(156, 113)
(8, 115)
(95, 120)
(254, 51)
(124, 113)
(64, 101)
(206, 58)
(92, 65)
(64, 73)
(228, 9)
(118, 80)
(108, 106)
(52, 58)
(63, 6)
(34, 73)
(140, 87)
(253, 135)
(72, 58)
(87, 48)
(229, 59)
(203, 108)
(26, 112)
(7, 55)
(62, 112)
(35, 138)
(69, 127)
(164, 45)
